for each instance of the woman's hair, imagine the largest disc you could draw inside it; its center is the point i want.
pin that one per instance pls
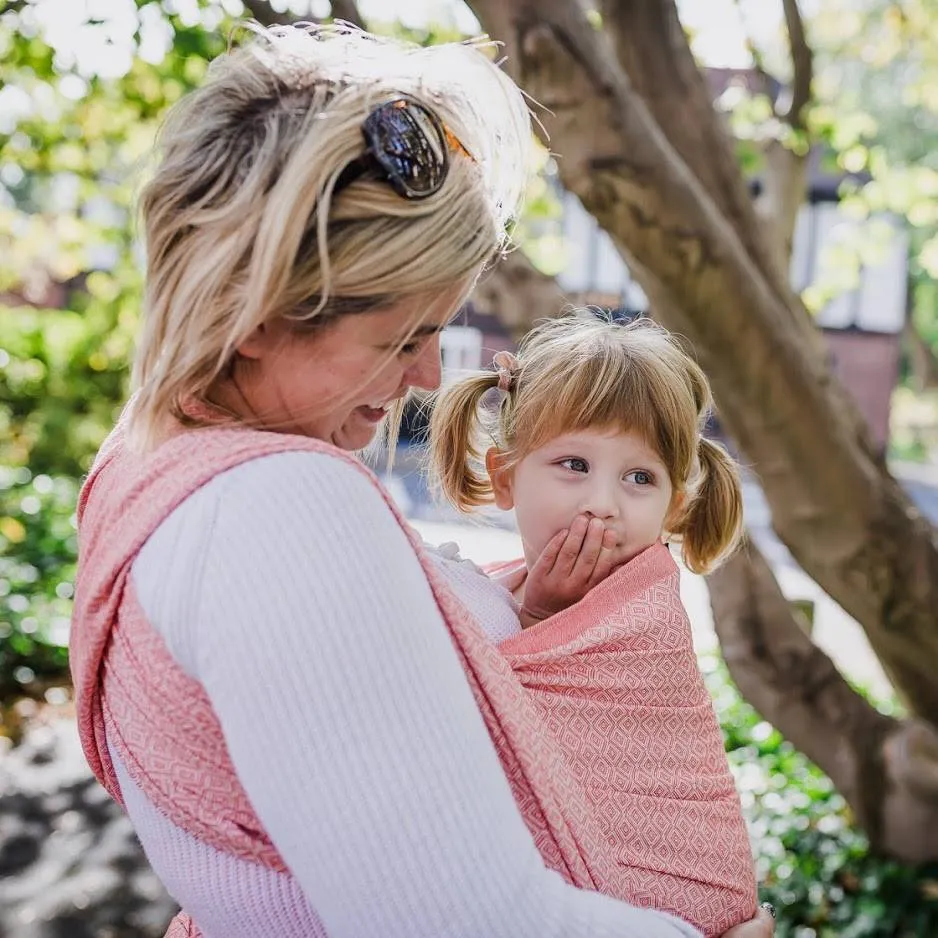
(583, 372)
(242, 221)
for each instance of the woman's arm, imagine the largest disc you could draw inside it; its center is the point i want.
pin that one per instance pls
(352, 727)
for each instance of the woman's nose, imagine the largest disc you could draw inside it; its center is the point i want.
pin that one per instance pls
(426, 371)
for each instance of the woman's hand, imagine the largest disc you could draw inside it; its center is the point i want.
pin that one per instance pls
(762, 926)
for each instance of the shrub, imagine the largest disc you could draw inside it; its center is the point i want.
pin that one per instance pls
(814, 865)
(38, 550)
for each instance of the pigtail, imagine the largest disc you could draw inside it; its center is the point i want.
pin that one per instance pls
(712, 524)
(458, 442)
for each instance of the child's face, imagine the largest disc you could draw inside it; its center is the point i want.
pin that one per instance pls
(611, 475)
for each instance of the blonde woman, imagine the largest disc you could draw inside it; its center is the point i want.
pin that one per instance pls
(308, 730)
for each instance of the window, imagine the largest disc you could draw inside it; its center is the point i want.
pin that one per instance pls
(461, 350)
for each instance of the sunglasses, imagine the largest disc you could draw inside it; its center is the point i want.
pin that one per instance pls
(407, 146)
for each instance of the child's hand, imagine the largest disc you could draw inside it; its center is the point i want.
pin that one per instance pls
(571, 564)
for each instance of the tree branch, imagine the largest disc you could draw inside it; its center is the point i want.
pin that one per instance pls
(347, 10)
(666, 76)
(802, 60)
(921, 356)
(769, 82)
(262, 11)
(785, 174)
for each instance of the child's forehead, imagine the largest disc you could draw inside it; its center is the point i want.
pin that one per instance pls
(609, 439)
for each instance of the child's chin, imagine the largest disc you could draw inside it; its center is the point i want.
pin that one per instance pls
(629, 555)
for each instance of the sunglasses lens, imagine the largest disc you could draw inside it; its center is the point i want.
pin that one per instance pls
(409, 143)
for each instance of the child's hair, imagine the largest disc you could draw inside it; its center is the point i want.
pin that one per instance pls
(584, 372)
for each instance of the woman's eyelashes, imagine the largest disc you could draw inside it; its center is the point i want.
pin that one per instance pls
(405, 349)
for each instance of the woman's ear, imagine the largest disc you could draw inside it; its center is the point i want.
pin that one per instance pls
(255, 345)
(263, 340)
(502, 478)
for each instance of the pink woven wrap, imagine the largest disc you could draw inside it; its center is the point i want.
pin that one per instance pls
(617, 681)
(131, 693)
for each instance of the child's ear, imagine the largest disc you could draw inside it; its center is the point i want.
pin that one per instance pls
(502, 478)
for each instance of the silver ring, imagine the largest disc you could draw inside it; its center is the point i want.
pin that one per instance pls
(768, 908)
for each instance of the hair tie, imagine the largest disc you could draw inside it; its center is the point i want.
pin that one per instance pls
(505, 364)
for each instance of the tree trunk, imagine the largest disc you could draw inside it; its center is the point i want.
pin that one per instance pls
(517, 292)
(921, 357)
(631, 117)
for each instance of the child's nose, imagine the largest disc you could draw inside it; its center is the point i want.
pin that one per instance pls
(600, 503)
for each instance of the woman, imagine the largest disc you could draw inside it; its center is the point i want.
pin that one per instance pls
(310, 735)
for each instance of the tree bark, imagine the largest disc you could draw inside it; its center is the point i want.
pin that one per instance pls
(517, 292)
(783, 190)
(262, 11)
(700, 255)
(631, 118)
(348, 11)
(921, 357)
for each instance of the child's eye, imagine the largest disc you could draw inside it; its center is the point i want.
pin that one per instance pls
(640, 477)
(575, 464)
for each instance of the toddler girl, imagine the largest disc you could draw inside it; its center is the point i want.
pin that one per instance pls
(597, 445)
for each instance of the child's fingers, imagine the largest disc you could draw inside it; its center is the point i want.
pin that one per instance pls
(548, 559)
(571, 547)
(604, 565)
(590, 550)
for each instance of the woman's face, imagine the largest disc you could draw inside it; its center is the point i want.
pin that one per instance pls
(336, 384)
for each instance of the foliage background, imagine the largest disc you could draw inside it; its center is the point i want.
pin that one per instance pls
(74, 137)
